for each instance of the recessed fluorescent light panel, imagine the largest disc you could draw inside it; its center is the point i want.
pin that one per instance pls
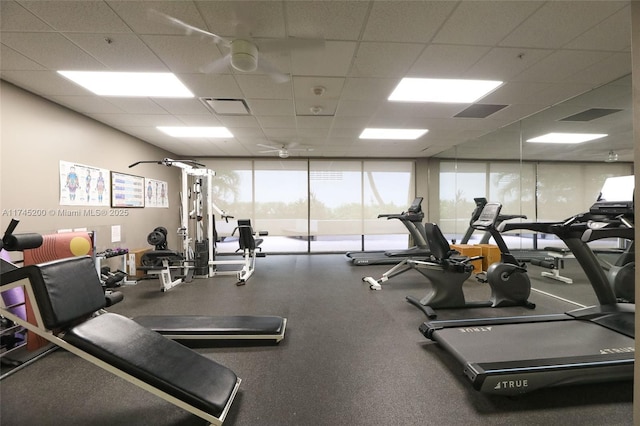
(408, 134)
(442, 90)
(196, 132)
(567, 137)
(130, 84)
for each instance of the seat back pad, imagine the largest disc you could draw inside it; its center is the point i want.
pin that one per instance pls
(156, 360)
(65, 290)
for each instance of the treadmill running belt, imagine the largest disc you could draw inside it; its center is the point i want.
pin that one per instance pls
(517, 358)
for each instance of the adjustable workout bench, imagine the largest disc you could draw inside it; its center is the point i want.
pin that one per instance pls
(67, 294)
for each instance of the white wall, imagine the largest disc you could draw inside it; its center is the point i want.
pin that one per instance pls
(36, 134)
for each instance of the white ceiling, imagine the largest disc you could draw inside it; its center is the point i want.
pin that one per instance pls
(546, 52)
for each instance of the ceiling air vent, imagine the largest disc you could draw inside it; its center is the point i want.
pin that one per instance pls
(590, 114)
(226, 106)
(479, 111)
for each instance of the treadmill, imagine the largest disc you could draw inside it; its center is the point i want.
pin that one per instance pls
(412, 220)
(516, 355)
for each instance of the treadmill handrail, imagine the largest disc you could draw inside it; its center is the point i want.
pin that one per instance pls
(598, 234)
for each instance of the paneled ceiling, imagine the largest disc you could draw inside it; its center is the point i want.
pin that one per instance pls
(546, 52)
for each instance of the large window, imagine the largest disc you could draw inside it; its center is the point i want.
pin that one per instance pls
(281, 203)
(314, 205)
(335, 214)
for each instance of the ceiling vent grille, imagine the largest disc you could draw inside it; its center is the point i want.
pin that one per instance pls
(226, 106)
(479, 111)
(590, 114)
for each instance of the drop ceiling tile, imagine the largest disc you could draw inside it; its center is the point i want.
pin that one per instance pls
(255, 86)
(375, 59)
(559, 22)
(604, 71)
(190, 106)
(483, 23)
(212, 85)
(199, 120)
(368, 89)
(446, 61)
(119, 52)
(137, 15)
(408, 21)
(246, 132)
(349, 110)
(183, 54)
(503, 63)
(617, 27)
(560, 65)
(136, 105)
(313, 107)
(142, 120)
(333, 60)
(261, 19)
(51, 50)
(14, 17)
(271, 107)
(12, 60)
(303, 87)
(78, 16)
(332, 21)
(349, 123)
(268, 121)
(87, 104)
(313, 122)
(238, 121)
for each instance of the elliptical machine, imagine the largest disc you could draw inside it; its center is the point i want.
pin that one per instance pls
(508, 279)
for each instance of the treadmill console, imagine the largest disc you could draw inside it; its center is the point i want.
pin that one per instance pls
(415, 206)
(488, 217)
(616, 196)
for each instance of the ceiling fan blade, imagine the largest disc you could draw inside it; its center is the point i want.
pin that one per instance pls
(274, 148)
(291, 43)
(268, 68)
(189, 29)
(217, 66)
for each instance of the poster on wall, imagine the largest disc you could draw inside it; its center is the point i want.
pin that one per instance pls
(82, 185)
(156, 193)
(127, 190)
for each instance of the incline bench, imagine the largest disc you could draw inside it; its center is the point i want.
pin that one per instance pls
(67, 293)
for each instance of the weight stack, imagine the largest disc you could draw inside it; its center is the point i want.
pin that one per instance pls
(201, 268)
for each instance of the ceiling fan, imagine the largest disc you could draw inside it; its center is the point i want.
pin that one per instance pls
(244, 51)
(611, 156)
(284, 150)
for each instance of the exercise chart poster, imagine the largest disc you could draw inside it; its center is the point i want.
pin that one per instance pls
(127, 190)
(82, 185)
(156, 193)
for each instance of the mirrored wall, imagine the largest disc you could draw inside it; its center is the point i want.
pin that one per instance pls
(543, 181)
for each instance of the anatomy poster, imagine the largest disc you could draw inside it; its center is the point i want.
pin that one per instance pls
(127, 190)
(82, 185)
(155, 193)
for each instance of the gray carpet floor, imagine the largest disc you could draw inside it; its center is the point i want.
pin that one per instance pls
(351, 356)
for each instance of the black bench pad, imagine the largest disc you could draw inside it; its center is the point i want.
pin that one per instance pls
(195, 325)
(156, 360)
